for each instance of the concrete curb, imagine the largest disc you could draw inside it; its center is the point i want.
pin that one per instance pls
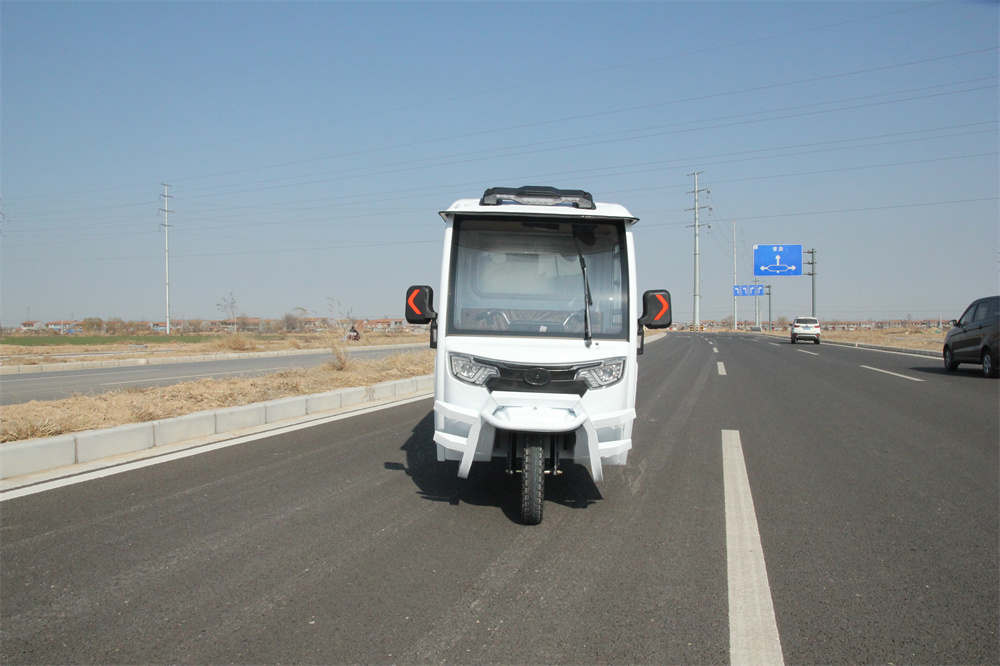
(31, 456)
(165, 360)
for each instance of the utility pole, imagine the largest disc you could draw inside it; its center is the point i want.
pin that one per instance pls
(697, 255)
(166, 245)
(813, 274)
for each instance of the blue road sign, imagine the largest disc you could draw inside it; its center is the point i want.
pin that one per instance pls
(748, 290)
(777, 260)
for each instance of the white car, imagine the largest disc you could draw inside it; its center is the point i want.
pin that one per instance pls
(805, 328)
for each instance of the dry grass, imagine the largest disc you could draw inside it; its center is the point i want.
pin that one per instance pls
(46, 419)
(237, 342)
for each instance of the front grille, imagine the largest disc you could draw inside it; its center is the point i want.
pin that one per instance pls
(528, 379)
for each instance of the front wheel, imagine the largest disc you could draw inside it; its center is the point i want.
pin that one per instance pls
(990, 368)
(533, 481)
(949, 360)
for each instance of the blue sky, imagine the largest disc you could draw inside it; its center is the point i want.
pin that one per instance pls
(309, 146)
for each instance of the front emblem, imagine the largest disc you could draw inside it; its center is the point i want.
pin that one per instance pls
(538, 376)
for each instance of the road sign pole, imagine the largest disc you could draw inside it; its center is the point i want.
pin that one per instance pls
(756, 305)
(736, 321)
(770, 320)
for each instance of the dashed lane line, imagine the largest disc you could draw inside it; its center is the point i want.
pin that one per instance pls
(753, 631)
(722, 368)
(894, 374)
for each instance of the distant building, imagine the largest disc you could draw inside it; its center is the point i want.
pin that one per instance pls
(64, 326)
(382, 325)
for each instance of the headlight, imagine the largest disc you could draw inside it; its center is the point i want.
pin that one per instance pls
(605, 374)
(469, 370)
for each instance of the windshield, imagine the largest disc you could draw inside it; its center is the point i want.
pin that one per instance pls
(519, 276)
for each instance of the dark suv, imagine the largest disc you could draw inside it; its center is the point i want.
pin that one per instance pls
(975, 337)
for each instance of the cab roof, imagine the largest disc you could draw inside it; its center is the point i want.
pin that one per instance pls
(537, 200)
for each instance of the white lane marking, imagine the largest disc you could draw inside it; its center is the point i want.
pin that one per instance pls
(722, 368)
(41, 377)
(753, 631)
(805, 352)
(894, 374)
(47, 376)
(775, 344)
(715, 349)
(885, 351)
(167, 379)
(111, 469)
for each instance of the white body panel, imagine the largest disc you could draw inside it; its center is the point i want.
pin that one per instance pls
(466, 417)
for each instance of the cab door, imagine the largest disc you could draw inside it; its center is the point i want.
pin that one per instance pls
(967, 342)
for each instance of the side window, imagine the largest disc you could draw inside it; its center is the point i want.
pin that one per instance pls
(982, 311)
(994, 308)
(967, 317)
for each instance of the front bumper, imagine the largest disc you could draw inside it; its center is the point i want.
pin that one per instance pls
(468, 435)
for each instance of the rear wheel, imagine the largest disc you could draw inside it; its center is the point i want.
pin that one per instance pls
(533, 481)
(990, 368)
(817, 341)
(949, 360)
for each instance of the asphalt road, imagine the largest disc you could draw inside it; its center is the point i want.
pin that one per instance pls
(875, 497)
(57, 384)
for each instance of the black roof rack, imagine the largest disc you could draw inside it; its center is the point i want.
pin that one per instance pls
(537, 195)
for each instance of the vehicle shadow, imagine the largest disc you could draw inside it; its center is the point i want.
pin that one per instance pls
(969, 371)
(488, 484)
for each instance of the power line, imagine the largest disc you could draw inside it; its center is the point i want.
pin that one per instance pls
(564, 120)
(832, 145)
(743, 218)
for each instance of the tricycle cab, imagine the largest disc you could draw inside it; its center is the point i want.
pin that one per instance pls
(537, 332)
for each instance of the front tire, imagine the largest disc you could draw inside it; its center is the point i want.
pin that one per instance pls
(990, 368)
(949, 360)
(533, 481)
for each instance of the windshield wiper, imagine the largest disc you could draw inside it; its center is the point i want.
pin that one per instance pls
(588, 301)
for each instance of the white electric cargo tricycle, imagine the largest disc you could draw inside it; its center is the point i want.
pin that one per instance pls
(537, 334)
